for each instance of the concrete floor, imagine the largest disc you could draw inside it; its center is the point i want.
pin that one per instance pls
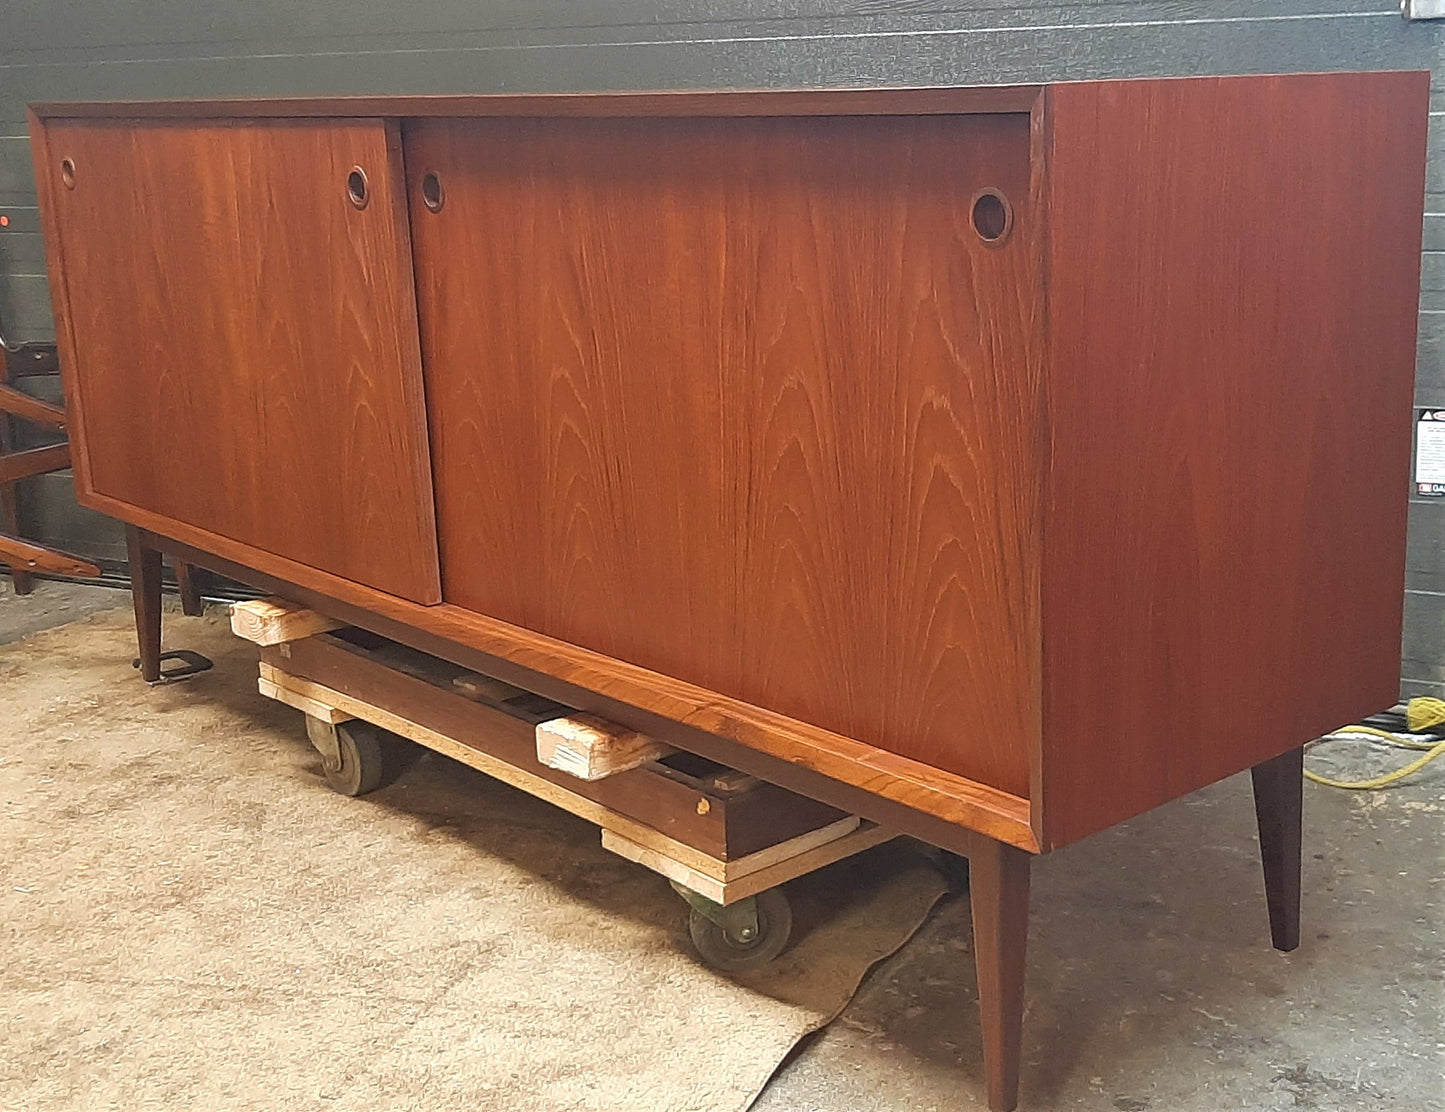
(1152, 985)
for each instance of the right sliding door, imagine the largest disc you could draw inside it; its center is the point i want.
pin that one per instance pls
(750, 402)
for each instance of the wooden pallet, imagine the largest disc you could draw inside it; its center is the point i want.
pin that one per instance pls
(489, 742)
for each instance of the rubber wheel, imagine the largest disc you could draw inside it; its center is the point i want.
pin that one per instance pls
(734, 955)
(363, 760)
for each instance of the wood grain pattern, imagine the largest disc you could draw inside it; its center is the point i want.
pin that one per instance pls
(241, 340)
(1234, 272)
(748, 403)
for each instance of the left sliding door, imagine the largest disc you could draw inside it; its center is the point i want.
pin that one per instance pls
(237, 316)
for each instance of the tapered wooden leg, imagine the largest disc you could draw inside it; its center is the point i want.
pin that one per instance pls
(21, 580)
(145, 593)
(1278, 805)
(188, 583)
(9, 513)
(998, 876)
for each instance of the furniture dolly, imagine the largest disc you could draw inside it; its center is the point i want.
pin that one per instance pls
(726, 840)
(981, 462)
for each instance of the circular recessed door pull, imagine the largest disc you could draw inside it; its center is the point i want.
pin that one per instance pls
(432, 194)
(356, 187)
(993, 216)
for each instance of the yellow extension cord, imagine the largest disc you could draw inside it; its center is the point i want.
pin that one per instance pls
(1420, 714)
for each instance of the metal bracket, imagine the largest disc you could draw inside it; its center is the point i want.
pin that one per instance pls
(740, 920)
(193, 662)
(1422, 9)
(323, 738)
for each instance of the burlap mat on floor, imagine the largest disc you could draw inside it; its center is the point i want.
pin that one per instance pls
(189, 918)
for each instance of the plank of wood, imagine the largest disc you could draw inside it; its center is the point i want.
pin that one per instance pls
(272, 621)
(35, 461)
(793, 847)
(25, 556)
(591, 748)
(314, 707)
(779, 872)
(498, 769)
(30, 409)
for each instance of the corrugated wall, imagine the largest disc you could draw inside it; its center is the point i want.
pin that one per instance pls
(79, 49)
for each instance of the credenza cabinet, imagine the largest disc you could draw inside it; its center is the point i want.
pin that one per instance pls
(996, 463)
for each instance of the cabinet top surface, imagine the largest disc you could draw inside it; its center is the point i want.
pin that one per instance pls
(940, 100)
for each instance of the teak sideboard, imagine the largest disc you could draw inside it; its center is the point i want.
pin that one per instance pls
(992, 463)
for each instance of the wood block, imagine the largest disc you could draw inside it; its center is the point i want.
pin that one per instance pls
(313, 707)
(271, 621)
(591, 748)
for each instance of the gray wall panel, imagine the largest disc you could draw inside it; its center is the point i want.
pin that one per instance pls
(1425, 550)
(47, 504)
(25, 307)
(1424, 641)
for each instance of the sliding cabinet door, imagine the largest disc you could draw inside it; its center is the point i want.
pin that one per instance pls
(749, 402)
(239, 322)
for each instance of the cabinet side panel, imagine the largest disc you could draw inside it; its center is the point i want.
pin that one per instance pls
(1234, 272)
(240, 338)
(748, 403)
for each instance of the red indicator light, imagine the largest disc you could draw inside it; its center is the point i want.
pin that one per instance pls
(4, 221)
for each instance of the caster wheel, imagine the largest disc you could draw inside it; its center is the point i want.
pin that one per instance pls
(730, 952)
(363, 759)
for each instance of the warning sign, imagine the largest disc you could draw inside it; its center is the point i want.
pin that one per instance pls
(1430, 452)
